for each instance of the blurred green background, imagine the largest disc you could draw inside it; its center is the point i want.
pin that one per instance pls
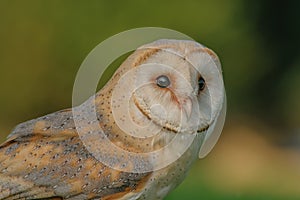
(258, 155)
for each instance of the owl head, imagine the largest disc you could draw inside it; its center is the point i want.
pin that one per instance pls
(176, 85)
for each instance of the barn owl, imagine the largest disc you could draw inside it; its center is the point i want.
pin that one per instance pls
(134, 139)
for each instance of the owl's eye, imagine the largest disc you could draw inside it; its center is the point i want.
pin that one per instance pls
(201, 83)
(163, 81)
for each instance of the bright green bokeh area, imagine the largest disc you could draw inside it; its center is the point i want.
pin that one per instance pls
(44, 42)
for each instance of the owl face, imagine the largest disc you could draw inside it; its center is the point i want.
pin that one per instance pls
(173, 85)
(178, 86)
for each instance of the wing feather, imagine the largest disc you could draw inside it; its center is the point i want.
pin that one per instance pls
(45, 159)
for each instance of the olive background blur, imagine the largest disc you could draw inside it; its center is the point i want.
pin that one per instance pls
(258, 155)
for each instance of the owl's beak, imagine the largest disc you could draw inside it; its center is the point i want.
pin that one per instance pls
(187, 106)
(190, 115)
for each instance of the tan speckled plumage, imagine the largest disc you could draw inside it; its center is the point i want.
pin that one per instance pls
(46, 159)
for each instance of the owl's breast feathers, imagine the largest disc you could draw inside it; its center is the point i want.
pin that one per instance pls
(45, 159)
